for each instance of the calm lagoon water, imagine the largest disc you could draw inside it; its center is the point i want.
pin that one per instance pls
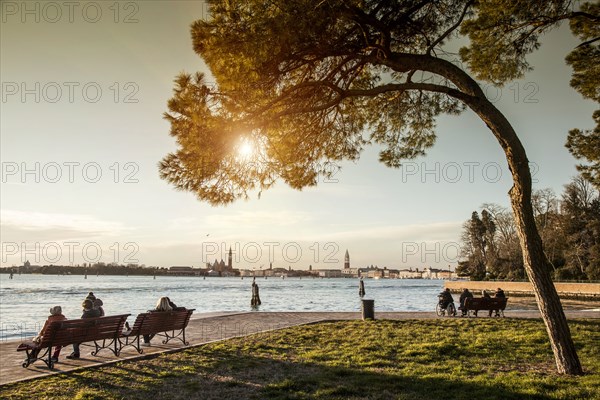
(25, 299)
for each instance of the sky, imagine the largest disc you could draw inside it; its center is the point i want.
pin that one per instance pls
(84, 87)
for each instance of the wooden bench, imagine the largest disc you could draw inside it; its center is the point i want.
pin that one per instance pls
(169, 324)
(63, 333)
(475, 304)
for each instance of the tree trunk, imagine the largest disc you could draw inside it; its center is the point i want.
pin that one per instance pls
(536, 264)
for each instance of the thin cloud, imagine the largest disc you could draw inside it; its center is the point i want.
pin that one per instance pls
(257, 218)
(40, 221)
(415, 232)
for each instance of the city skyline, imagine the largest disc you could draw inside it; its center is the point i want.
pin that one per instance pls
(222, 269)
(82, 134)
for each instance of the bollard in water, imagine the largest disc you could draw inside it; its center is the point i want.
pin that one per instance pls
(255, 296)
(361, 288)
(368, 309)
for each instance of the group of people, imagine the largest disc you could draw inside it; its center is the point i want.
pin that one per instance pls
(467, 294)
(446, 298)
(93, 308)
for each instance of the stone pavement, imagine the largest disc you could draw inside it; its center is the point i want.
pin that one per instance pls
(206, 328)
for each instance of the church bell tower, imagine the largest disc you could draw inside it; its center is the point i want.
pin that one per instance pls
(230, 260)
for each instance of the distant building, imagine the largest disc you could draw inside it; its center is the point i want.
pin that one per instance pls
(375, 273)
(346, 260)
(390, 273)
(221, 268)
(410, 274)
(434, 273)
(276, 272)
(330, 273)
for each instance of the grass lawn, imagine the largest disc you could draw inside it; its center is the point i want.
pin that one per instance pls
(382, 359)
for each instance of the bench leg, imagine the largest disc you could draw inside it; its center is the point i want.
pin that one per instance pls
(180, 336)
(50, 363)
(31, 358)
(34, 354)
(135, 343)
(106, 346)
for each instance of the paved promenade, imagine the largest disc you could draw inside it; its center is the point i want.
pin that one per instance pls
(206, 328)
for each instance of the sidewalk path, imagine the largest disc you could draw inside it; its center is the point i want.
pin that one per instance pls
(206, 328)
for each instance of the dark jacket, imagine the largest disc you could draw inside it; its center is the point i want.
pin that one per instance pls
(465, 295)
(446, 297)
(91, 313)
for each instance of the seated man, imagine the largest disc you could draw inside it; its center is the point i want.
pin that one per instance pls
(88, 312)
(445, 298)
(498, 295)
(463, 297)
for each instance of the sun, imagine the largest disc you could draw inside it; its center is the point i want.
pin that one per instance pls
(246, 150)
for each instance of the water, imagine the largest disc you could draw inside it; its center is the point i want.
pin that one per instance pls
(26, 299)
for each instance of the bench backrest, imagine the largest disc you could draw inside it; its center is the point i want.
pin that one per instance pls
(62, 333)
(483, 303)
(160, 321)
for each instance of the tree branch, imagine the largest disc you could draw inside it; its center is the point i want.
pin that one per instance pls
(451, 29)
(372, 92)
(588, 42)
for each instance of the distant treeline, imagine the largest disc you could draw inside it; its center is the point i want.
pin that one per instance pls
(95, 269)
(569, 227)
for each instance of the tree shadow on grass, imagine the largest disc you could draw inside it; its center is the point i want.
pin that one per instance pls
(351, 360)
(228, 374)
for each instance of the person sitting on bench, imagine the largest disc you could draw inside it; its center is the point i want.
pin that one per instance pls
(463, 296)
(498, 295)
(174, 306)
(55, 315)
(163, 304)
(88, 312)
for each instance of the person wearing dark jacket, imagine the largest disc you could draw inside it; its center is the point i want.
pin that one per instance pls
(499, 295)
(88, 312)
(445, 298)
(98, 306)
(463, 297)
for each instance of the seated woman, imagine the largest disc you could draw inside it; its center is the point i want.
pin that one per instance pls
(55, 315)
(161, 306)
(174, 307)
